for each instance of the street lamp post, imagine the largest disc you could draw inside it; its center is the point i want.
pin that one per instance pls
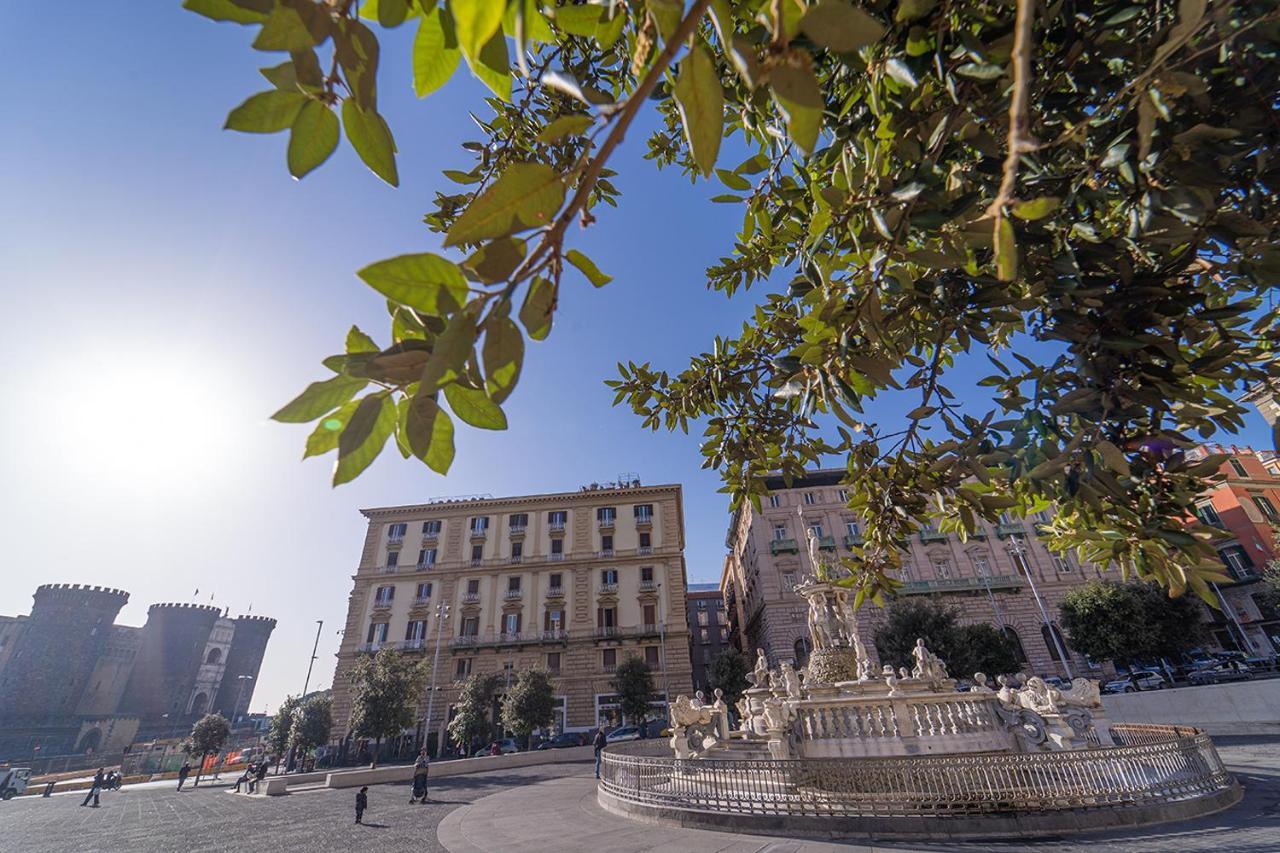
(442, 615)
(1019, 552)
(307, 683)
(1245, 643)
(662, 648)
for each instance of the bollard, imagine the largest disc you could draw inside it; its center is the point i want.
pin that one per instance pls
(48, 789)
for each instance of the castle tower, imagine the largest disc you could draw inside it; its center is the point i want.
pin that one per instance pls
(55, 655)
(248, 645)
(169, 659)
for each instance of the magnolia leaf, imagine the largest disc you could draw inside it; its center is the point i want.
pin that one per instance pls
(492, 66)
(357, 50)
(313, 137)
(578, 20)
(701, 102)
(526, 195)
(666, 15)
(452, 349)
(428, 432)
(1113, 458)
(796, 92)
(435, 52)
(503, 356)
(427, 282)
(477, 21)
(495, 261)
(912, 10)
(266, 112)
(391, 13)
(235, 11)
(318, 398)
(1037, 208)
(372, 140)
(474, 407)
(1006, 247)
(364, 435)
(570, 125)
(538, 308)
(840, 26)
(358, 341)
(324, 437)
(587, 267)
(285, 28)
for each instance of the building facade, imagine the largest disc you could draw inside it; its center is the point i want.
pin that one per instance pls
(71, 680)
(708, 630)
(572, 582)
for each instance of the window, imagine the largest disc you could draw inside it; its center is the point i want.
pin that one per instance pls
(424, 590)
(556, 520)
(643, 512)
(557, 549)
(908, 572)
(704, 635)
(706, 655)
(553, 620)
(215, 656)
(477, 554)
(511, 624)
(517, 552)
(480, 525)
(1268, 508)
(377, 632)
(650, 614)
(942, 569)
(775, 501)
(609, 659)
(646, 543)
(651, 655)
(1062, 563)
(473, 587)
(981, 567)
(518, 521)
(780, 532)
(852, 528)
(1018, 651)
(554, 581)
(606, 544)
(1209, 515)
(802, 649)
(843, 495)
(607, 617)
(462, 668)
(553, 663)
(431, 528)
(810, 498)
(1237, 560)
(393, 560)
(816, 529)
(426, 558)
(605, 516)
(513, 583)
(1020, 563)
(395, 532)
(724, 633)
(608, 577)
(470, 626)
(1043, 516)
(416, 630)
(701, 604)
(788, 581)
(646, 574)
(385, 594)
(703, 617)
(1238, 467)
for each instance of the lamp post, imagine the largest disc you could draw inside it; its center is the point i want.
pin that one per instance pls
(240, 693)
(307, 683)
(1018, 552)
(995, 608)
(1245, 642)
(662, 647)
(442, 615)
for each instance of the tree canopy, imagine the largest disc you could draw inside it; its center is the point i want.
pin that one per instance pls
(1127, 621)
(728, 672)
(965, 649)
(530, 702)
(473, 711)
(208, 735)
(385, 690)
(282, 726)
(1081, 191)
(311, 723)
(633, 682)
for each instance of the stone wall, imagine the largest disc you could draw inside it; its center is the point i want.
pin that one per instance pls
(1239, 708)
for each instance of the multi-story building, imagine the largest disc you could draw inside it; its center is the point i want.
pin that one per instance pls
(708, 630)
(572, 582)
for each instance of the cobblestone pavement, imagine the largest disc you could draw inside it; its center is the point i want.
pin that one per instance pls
(212, 819)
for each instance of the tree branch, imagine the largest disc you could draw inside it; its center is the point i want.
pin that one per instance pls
(1019, 142)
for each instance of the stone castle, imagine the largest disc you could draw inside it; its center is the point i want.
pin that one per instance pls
(73, 681)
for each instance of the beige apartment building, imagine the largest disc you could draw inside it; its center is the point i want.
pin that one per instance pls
(1002, 576)
(573, 582)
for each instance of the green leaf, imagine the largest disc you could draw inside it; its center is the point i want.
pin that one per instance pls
(1006, 246)
(427, 282)
(496, 260)
(285, 28)
(796, 91)
(452, 349)
(477, 21)
(492, 66)
(911, 10)
(318, 398)
(236, 11)
(474, 407)
(1037, 208)
(666, 15)
(324, 437)
(901, 72)
(372, 140)
(526, 195)
(1113, 457)
(578, 20)
(358, 341)
(840, 26)
(435, 52)
(587, 267)
(364, 435)
(428, 432)
(563, 126)
(503, 356)
(266, 112)
(538, 308)
(391, 13)
(313, 138)
(701, 102)
(980, 71)
(357, 50)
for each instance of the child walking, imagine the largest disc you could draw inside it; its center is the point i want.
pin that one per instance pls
(362, 803)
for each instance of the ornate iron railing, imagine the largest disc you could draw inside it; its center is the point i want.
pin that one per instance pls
(1155, 764)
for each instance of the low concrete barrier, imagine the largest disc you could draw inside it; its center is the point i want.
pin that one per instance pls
(272, 786)
(1238, 708)
(459, 767)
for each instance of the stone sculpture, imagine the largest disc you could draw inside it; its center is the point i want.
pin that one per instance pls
(980, 683)
(760, 675)
(790, 681)
(819, 621)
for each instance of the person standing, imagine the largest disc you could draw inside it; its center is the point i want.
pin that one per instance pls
(362, 803)
(598, 742)
(421, 768)
(98, 779)
(183, 772)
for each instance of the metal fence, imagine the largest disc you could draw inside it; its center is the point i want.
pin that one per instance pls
(1153, 764)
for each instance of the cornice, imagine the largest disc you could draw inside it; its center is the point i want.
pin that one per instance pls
(592, 496)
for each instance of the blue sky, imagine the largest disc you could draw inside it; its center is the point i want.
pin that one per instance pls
(165, 285)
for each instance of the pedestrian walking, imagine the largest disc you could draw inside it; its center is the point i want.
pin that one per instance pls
(362, 803)
(598, 742)
(183, 772)
(421, 768)
(98, 779)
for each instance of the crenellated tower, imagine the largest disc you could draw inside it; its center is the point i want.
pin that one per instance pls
(244, 660)
(169, 658)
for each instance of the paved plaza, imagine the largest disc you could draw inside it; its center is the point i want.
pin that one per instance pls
(541, 810)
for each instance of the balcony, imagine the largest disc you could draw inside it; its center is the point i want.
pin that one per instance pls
(395, 538)
(555, 527)
(644, 550)
(614, 632)
(431, 535)
(852, 539)
(516, 530)
(778, 546)
(556, 557)
(1013, 528)
(387, 570)
(476, 641)
(648, 586)
(513, 595)
(471, 598)
(943, 585)
(414, 645)
(605, 552)
(382, 604)
(609, 668)
(606, 523)
(827, 543)
(515, 559)
(644, 520)
(555, 592)
(422, 567)
(931, 534)
(479, 534)
(422, 601)
(608, 589)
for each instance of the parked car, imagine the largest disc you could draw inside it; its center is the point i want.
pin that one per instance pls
(1230, 670)
(13, 781)
(1059, 683)
(1136, 681)
(506, 746)
(622, 733)
(564, 740)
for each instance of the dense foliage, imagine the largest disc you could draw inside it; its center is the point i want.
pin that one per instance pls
(1083, 191)
(385, 687)
(311, 723)
(633, 682)
(277, 740)
(1129, 621)
(728, 672)
(530, 702)
(473, 712)
(208, 735)
(965, 649)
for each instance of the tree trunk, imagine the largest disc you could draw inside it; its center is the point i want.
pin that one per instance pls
(377, 747)
(199, 769)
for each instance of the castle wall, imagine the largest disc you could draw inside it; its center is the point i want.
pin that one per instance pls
(244, 660)
(110, 675)
(169, 658)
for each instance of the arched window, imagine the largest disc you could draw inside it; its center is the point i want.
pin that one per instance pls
(90, 742)
(215, 656)
(1018, 651)
(1050, 632)
(802, 651)
(200, 703)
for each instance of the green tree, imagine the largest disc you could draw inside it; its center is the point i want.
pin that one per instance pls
(1078, 193)
(385, 689)
(1125, 621)
(965, 649)
(281, 726)
(728, 672)
(633, 682)
(473, 712)
(530, 702)
(311, 723)
(208, 735)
